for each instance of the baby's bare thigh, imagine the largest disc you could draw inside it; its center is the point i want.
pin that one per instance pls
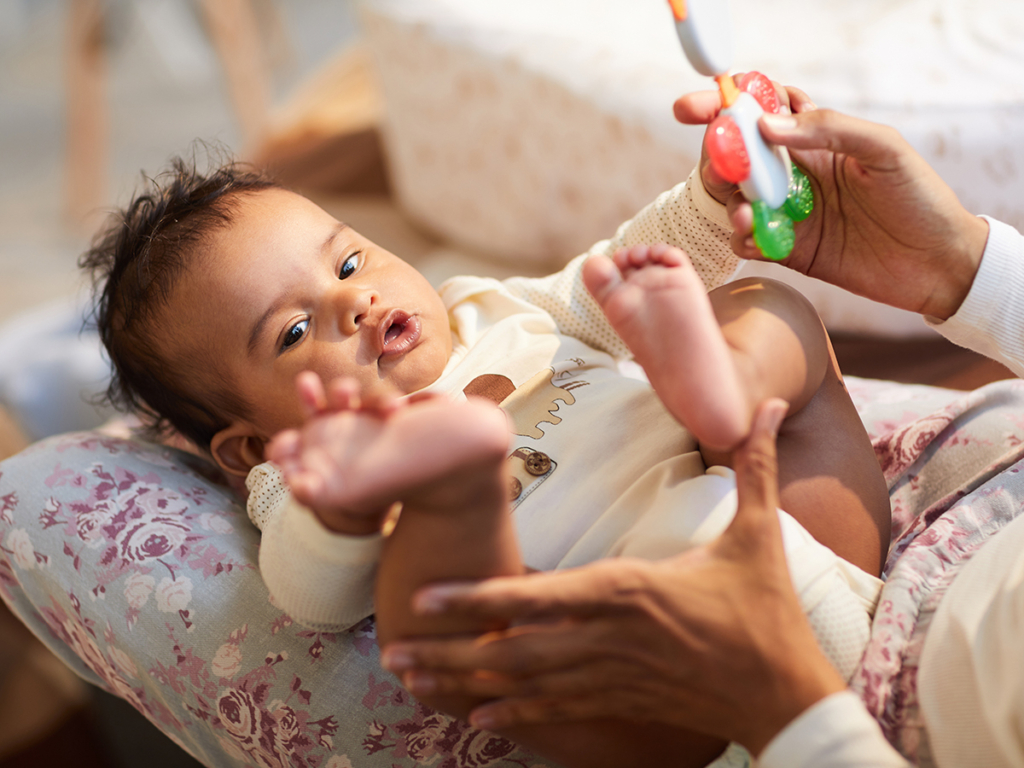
(829, 478)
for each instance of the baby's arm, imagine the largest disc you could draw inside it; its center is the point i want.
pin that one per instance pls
(321, 579)
(685, 216)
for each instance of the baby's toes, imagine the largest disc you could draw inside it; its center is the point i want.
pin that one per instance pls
(668, 255)
(284, 447)
(601, 275)
(307, 487)
(636, 257)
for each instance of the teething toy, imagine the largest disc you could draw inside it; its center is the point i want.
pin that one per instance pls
(778, 192)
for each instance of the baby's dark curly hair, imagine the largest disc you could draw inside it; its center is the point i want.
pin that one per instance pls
(135, 261)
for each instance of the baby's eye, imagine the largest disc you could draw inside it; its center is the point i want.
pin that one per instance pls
(294, 334)
(348, 266)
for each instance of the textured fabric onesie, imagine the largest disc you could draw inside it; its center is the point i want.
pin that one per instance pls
(600, 467)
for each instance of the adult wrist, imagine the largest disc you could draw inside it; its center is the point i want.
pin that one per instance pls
(964, 267)
(835, 731)
(804, 679)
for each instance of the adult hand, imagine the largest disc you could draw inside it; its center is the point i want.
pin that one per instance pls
(884, 223)
(712, 640)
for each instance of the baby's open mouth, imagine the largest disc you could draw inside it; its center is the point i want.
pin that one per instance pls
(400, 331)
(393, 332)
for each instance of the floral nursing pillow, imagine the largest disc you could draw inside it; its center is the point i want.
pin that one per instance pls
(139, 571)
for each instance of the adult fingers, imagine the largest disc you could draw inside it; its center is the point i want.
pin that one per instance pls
(757, 480)
(589, 680)
(523, 651)
(509, 712)
(697, 108)
(595, 588)
(871, 144)
(798, 100)
(741, 214)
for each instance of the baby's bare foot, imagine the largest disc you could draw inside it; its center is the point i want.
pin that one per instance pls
(657, 303)
(355, 464)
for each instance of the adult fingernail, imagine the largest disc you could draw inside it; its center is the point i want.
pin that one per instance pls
(484, 720)
(780, 122)
(436, 599)
(396, 659)
(419, 683)
(776, 413)
(428, 602)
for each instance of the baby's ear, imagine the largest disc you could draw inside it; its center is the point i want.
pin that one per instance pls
(237, 448)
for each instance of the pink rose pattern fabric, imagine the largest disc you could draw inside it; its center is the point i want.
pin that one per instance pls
(954, 463)
(139, 571)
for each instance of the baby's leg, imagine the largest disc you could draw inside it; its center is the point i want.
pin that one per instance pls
(713, 357)
(444, 463)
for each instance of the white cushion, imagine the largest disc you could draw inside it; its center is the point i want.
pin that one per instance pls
(531, 129)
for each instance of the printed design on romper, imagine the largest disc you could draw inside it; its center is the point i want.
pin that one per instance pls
(528, 406)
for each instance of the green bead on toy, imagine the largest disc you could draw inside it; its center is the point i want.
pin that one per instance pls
(773, 227)
(773, 231)
(800, 202)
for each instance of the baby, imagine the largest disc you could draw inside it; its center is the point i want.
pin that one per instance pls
(218, 291)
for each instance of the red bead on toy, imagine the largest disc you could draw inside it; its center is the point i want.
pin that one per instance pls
(727, 151)
(761, 88)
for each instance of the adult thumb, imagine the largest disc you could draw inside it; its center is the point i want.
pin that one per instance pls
(757, 477)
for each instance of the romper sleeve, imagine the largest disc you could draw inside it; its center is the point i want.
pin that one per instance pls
(322, 579)
(685, 216)
(991, 319)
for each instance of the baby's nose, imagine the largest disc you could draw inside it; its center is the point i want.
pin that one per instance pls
(357, 309)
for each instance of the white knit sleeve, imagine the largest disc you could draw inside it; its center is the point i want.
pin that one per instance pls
(688, 217)
(837, 732)
(684, 216)
(991, 319)
(323, 580)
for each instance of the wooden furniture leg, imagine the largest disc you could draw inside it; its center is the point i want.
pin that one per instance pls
(87, 128)
(232, 26)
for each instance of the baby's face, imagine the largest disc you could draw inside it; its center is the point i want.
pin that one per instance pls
(286, 288)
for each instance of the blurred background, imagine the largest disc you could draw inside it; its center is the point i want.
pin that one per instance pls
(142, 80)
(465, 136)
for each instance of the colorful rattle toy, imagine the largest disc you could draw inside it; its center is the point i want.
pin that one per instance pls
(779, 193)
